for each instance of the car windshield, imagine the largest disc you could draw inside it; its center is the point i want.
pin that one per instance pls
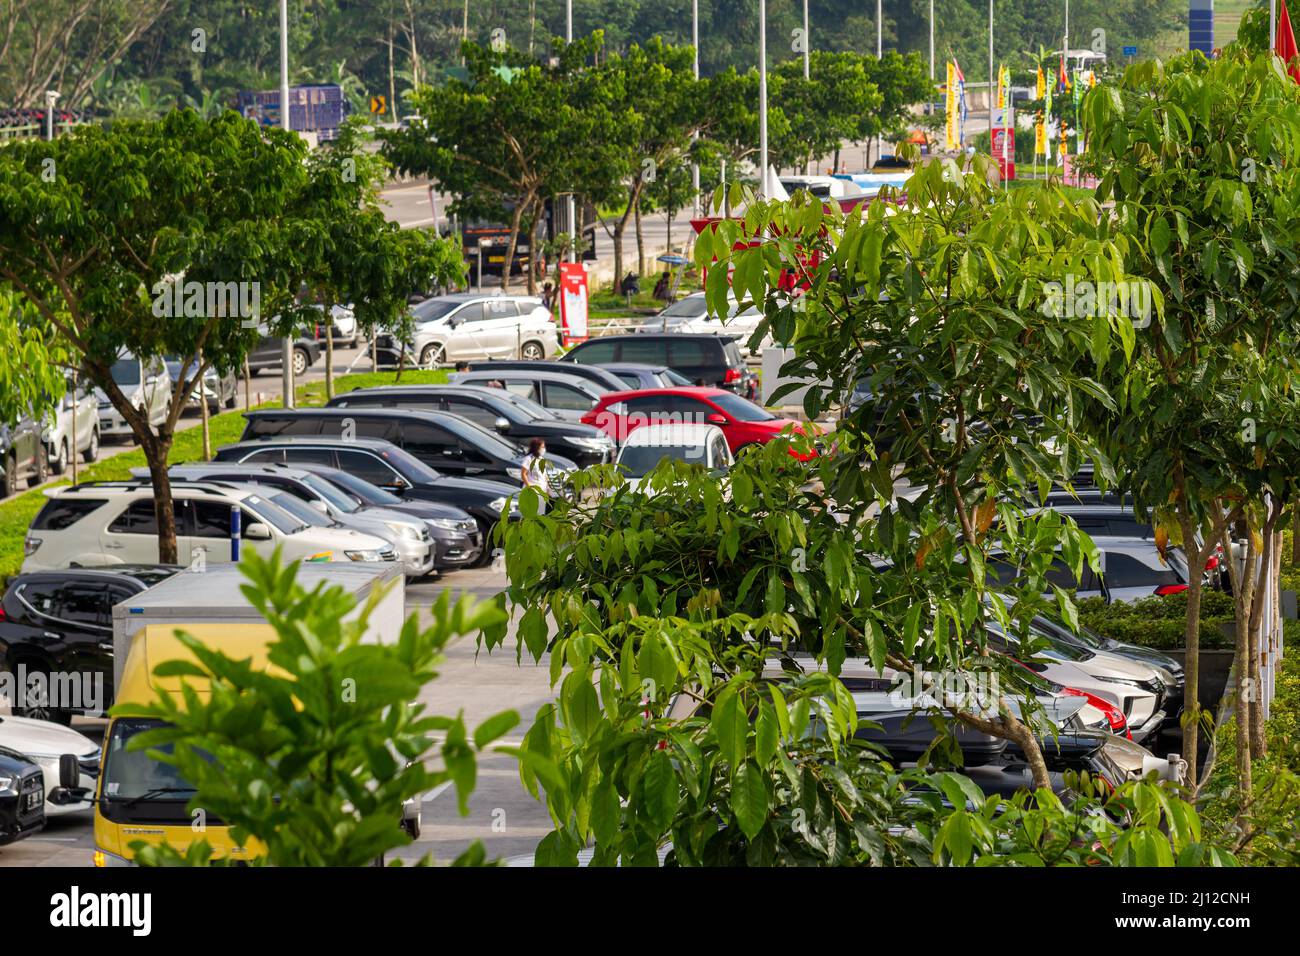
(430, 310)
(134, 775)
(336, 498)
(409, 467)
(671, 378)
(126, 371)
(637, 461)
(741, 409)
(526, 405)
(488, 441)
(691, 307)
(359, 488)
(273, 514)
(301, 510)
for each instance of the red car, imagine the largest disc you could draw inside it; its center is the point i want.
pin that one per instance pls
(743, 422)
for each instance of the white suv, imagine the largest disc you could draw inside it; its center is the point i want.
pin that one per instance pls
(96, 525)
(467, 326)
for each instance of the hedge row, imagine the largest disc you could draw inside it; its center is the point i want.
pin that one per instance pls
(1160, 622)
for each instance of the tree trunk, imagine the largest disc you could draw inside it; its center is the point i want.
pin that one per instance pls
(640, 241)
(1243, 587)
(329, 350)
(248, 385)
(669, 237)
(620, 227)
(155, 452)
(1192, 660)
(1258, 629)
(203, 412)
(515, 219)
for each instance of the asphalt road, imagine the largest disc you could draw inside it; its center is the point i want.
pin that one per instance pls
(502, 814)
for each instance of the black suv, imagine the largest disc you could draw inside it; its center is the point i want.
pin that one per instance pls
(22, 797)
(22, 455)
(496, 409)
(62, 621)
(446, 442)
(704, 359)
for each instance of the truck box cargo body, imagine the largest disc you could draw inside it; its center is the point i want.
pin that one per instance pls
(312, 109)
(195, 599)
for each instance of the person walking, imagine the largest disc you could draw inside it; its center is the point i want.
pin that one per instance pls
(533, 469)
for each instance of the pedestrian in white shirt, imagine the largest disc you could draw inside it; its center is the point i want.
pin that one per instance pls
(533, 469)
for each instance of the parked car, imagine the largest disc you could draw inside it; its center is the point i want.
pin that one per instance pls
(147, 386)
(691, 315)
(711, 360)
(343, 324)
(61, 622)
(744, 423)
(471, 326)
(603, 378)
(647, 446)
(636, 376)
(113, 522)
(1138, 690)
(446, 442)
(408, 536)
(60, 444)
(22, 455)
(383, 464)
(564, 396)
(456, 538)
(22, 804)
(46, 744)
(1131, 570)
(268, 353)
(219, 388)
(516, 418)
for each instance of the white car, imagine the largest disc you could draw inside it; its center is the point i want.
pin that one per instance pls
(108, 523)
(824, 187)
(344, 323)
(691, 314)
(650, 444)
(146, 385)
(468, 326)
(45, 743)
(60, 443)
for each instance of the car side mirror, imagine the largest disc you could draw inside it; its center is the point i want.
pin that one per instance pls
(716, 419)
(319, 506)
(69, 771)
(69, 402)
(257, 532)
(501, 425)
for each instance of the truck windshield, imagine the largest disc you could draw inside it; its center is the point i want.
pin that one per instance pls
(132, 776)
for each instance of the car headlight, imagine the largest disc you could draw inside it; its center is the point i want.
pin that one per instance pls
(449, 524)
(593, 444)
(405, 530)
(370, 555)
(1119, 680)
(497, 504)
(8, 783)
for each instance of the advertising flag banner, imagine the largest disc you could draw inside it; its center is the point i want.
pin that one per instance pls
(1040, 87)
(573, 301)
(952, 126)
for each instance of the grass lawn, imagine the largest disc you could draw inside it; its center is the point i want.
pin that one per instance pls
(16, 515)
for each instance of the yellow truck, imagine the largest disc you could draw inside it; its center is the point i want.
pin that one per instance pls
(141, 799)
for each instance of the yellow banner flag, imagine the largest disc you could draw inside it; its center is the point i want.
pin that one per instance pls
(1040, 89)
(952, 128)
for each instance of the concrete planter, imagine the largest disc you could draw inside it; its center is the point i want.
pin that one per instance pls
(1215, 666)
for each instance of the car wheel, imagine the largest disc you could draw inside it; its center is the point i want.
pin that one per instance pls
(36, 701)
(41, 471)
(532, 352)
(9, 477)
(59, 464)
(92, 451)
(301, 361)
(433, 356)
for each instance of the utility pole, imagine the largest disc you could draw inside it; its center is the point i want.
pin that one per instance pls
(572, 211)
(931, 107)
(762, 98)
(807, 42)
(286, 344)
(992, 88)
(695, 42)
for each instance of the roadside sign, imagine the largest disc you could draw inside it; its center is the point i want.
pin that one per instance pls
(573, 301)
(1130, 51)
(378, 105)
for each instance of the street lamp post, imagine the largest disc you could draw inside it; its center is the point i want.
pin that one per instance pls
(286, 345)
(695, 43)
(571, 209)
(992, 88)
(762, 98)
(51, 97)
(807, 42)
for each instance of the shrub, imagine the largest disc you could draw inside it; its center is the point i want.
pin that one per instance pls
(1160, 622)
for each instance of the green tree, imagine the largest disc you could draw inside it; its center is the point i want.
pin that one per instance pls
(97, 228)
(315, 755)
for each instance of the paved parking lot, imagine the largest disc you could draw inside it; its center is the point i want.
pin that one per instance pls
(502, 814)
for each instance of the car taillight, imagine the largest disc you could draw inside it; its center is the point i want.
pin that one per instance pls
(1114, 716)
(1167, 589)
(3, 615)
(733, 375)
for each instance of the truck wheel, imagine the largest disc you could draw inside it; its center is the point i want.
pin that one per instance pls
(92, 450)
(59, 464)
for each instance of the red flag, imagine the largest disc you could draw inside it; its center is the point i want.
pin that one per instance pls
(1284, 44)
